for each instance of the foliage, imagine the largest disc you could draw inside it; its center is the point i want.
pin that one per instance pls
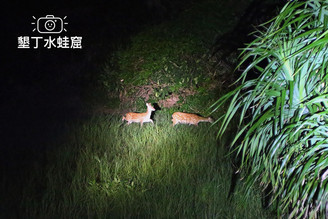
(282, 113)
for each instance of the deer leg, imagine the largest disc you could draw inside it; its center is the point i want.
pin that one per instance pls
(174, 122)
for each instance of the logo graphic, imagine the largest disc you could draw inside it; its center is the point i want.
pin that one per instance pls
(49, 24)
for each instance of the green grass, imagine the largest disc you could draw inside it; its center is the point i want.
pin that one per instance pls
(107, 169)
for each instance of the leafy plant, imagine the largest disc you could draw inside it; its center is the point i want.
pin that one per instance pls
(283, 121)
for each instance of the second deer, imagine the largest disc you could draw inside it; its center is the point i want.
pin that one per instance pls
(189, 118)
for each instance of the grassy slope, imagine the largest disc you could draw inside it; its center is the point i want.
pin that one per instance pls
(175, 55)
(106, 169)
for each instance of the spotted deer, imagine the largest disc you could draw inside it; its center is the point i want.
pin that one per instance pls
(189, 118)
(140, 117)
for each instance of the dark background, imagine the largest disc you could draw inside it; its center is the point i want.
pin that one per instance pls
(41, 87)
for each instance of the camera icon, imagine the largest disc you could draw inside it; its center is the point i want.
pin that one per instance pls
(50, 24)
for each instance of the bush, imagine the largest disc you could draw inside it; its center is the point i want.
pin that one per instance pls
(282, 137)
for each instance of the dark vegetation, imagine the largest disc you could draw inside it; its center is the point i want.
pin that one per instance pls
(64, 152)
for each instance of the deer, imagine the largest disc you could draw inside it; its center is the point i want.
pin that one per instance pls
(139, 117)
(189, 118)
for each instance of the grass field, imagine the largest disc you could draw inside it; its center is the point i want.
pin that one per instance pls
(107, 169)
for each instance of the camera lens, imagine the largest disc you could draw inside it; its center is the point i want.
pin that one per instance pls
(49, 25)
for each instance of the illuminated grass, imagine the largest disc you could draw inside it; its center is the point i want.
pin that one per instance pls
(109, 169)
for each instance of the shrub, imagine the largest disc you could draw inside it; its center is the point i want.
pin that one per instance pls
(283, 129)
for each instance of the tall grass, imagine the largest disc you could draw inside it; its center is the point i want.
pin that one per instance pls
(108, 169)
